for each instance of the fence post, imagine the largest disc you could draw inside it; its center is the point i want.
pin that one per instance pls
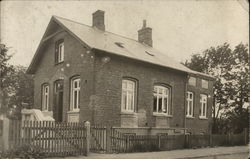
(229, 138)
(159, 141)
(5, 135)
(246, 136)
(87, 126)
(108, 139)
(210, 140)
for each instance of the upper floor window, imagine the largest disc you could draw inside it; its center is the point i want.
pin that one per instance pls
(203, 109)
(128, 95)
(45, 97)
(204, 84)
(59, 54)
(162, 100)
(75, 94)
(190, 104)
(192, 81)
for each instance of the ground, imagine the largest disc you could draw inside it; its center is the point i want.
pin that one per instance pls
(236, 152)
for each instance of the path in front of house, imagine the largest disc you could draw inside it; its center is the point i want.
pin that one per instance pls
(174, 154)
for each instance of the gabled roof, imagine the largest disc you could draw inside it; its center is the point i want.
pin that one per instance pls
(114, 44)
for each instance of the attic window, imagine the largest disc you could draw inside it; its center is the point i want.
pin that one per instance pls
(149, 53)
(119, 44)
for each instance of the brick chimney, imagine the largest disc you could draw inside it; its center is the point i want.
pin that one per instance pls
(145, 35)
(98, 20)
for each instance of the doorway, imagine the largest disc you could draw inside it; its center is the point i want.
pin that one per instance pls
(58, 101)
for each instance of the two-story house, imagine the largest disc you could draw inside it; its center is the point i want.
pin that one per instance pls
(86, 73)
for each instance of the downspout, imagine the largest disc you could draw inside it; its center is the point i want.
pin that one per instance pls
(185, 102)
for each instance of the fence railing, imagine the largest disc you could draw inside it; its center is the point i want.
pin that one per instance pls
(122, 142)
(98, 138)
(51, 138)
(64, 139)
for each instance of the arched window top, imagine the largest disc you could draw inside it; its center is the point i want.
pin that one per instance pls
(45, 96)
(128, 101)
(75, 93)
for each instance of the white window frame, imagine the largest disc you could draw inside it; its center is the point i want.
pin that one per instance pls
(45, 97)
(128, 104)
(190, 105)
(203, 108)
(72, 96)
(166, 95)
(60, 54)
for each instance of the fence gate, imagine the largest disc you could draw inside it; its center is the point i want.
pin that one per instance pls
(98, 138)
(53, 139)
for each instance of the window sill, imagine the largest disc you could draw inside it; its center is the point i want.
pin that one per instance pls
(162, 114)
(190, 117)
(73, 111)
(203, 118)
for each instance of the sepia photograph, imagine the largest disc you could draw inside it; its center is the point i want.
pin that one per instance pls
(124, 79)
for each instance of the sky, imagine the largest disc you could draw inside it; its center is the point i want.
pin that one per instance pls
(180, 27)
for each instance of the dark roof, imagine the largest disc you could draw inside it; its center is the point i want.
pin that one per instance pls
(115, 44)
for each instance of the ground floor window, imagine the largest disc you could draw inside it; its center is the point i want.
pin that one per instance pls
(203, 108)
(75, 94)
(161, 102)
(45, 97)
(190, 104)
(128, 95)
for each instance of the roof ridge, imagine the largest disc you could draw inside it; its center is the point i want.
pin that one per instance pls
(93, 28)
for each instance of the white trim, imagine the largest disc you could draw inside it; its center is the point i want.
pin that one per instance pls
(162, 93)
(60, 54)
(203, 106)
(75, 107)
(190, 108)
(45, 97)
(128, 91)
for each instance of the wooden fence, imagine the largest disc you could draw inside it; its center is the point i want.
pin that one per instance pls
(98, 138)
(53, 139)
(111, 140)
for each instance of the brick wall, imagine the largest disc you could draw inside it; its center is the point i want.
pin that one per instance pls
(108, 85)
(195, 124)
(101, 84)
(76, 62)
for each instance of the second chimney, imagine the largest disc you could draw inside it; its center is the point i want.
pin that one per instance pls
(98, 20)
(145, 35)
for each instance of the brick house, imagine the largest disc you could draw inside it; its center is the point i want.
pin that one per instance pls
(86, 73)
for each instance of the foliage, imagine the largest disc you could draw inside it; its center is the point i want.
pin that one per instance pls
(24, 152)
(5, 72)
(16, 87)
(231, 87)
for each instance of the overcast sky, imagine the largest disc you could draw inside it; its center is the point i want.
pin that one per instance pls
(180, 28)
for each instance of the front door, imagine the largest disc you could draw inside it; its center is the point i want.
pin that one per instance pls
(58, 101)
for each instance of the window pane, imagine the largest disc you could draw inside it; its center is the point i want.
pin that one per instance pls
(160, 105)
(75, 99)
(75, 84)
(165, 105)
(191, 96)
(155, 104)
